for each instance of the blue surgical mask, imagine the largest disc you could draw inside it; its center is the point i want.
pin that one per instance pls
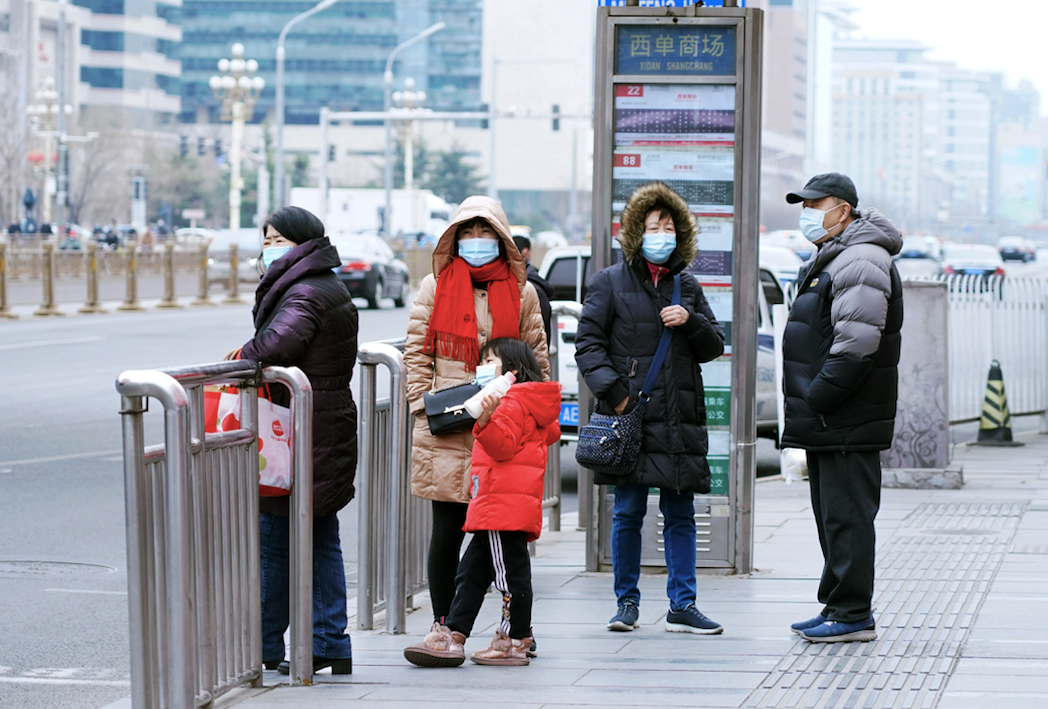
(272, 253)
(811, 223)
(478, 252)
(485, 373)
(657, 247)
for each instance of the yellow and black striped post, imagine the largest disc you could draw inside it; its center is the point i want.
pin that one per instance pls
(995, 425)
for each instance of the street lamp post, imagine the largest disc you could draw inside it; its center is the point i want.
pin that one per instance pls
(409, 98)
(281, 198)
(44, 112)
(387, 98)
(238, 89)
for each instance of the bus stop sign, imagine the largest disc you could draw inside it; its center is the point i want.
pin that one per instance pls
(677, 99)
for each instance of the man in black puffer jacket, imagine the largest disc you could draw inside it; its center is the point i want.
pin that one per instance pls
(627, 308)
(841, 381)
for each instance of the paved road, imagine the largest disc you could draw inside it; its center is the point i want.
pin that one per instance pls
(62, 558)
(62, 555)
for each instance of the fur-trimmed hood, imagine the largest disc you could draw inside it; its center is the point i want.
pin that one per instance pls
(652, 196)
(491, 211)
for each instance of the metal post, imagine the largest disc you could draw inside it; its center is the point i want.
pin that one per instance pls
(280, 197)
(235, 183)
(131, 298)
(48, 308)
(138, 538)
(744, 352)
(397, 473)
(61, 174)
(301, 520)
(205, 284)
(322, 207)
(553, 461)
(233, 296)
(179, 656)
(365, 515)
(92, 304)
(169, 300)
(493, 188)
(387, 88)
(5, 309)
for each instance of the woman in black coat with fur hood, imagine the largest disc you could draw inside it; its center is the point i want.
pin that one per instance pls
(626, 309)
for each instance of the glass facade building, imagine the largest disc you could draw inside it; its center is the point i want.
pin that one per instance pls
(140, 59)
(335, 58)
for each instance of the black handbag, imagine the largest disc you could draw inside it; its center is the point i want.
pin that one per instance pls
(611, 444)
(445, 411)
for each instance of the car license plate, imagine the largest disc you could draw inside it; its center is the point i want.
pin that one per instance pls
(569, 414)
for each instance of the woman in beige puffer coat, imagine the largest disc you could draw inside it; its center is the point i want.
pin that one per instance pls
(439, 356)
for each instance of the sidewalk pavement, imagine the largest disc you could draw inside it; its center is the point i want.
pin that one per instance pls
(960, 605)
(25, 311)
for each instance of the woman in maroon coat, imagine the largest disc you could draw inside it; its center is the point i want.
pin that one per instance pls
(304, 317)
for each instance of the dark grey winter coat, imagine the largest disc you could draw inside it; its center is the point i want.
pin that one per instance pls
(304, 317)
(619, 333)
(842, 342)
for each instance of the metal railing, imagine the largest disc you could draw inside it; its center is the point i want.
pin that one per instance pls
(1003, 319)
(41, 271)
(394, 525)
(552, 494)
(194, 569)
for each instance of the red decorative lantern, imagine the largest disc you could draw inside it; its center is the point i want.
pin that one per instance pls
(35, 157)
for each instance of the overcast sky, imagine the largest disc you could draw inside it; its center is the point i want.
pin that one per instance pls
(1009, 36)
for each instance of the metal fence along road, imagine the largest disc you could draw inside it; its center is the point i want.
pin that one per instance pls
(1004, 319)
(194, 576)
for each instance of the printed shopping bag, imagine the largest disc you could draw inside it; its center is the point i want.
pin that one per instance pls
(222, 413)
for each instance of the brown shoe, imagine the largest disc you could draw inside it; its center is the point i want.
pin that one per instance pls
(503, 651)
(440, 648)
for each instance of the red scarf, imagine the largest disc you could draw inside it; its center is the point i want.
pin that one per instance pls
(452, 329)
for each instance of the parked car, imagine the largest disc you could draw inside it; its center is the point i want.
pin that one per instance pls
(783, 262)
(919, 256)
(249, 248)
(1016, 248)
(371, 270)
(561, 266)
(792, 239)
(972, 260)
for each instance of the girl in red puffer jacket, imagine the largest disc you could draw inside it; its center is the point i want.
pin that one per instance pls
(512, 438)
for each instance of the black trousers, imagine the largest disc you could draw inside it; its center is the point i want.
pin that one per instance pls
(500, 558)
(443, 560)
(845, 496)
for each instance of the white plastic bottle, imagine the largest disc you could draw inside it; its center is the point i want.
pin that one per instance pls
(498, 386)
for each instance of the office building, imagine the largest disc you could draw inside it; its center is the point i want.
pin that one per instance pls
(334, 59)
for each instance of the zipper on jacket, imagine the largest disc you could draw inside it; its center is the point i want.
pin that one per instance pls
(823, 419)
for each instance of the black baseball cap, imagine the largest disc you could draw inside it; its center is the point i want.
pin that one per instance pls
(828, 184)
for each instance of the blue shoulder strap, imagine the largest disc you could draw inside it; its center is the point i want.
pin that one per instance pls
(664, 345)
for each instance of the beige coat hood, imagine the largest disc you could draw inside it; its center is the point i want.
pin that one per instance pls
(491, 211)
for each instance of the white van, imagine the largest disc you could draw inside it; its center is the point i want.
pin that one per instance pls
(562, 268)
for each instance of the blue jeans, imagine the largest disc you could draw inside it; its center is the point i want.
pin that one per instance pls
(678, 533)
(329, 588)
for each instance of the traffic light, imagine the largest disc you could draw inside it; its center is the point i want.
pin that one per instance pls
(200, 147)
(218, 148)
(484, 121)
(556, 116)
(183, 146)
(331, 153)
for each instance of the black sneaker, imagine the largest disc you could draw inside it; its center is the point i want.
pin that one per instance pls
(691, 620)
(627, 617)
